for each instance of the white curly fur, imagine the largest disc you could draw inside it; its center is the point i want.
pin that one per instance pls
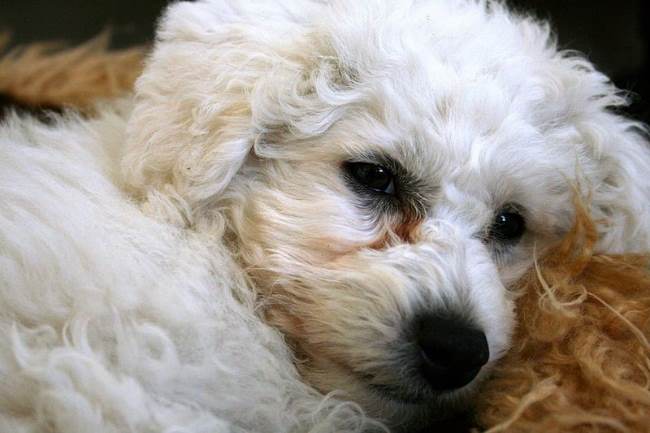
(144, 253)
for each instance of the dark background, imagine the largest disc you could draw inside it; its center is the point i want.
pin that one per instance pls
(612, 33)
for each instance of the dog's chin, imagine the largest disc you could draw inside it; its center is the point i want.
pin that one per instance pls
(402, 406)
(409, 412)
(416, 410)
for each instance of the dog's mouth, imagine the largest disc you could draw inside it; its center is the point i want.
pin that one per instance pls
(400, 382)
(423, 410)
(398, 394)
(409, 391)
(386, 387)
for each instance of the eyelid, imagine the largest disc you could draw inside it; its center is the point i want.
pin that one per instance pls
(511, 207)
(380, 159)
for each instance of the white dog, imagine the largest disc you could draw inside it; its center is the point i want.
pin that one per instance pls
(302, 197)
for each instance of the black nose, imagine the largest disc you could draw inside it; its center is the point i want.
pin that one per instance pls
(452, 351)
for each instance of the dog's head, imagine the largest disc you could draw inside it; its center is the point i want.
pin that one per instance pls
(383, 171)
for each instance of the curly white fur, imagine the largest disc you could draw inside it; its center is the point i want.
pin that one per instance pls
(144, 253)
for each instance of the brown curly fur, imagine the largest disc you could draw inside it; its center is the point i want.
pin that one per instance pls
(580, 360)
(47, 74)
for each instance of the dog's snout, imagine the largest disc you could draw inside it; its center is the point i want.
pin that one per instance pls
(452, 352)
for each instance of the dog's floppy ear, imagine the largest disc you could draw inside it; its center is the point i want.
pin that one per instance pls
(616, 153)
(581, 108)
(621, 195)
(192, 126)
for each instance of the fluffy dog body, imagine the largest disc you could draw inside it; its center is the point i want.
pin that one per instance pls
(105, 308)
(140, 248)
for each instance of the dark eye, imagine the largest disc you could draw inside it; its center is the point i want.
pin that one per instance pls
(508, 225)
(372, 176)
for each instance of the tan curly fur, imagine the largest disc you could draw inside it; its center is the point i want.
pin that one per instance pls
(580, 362)
(48, 74)
(581, 358)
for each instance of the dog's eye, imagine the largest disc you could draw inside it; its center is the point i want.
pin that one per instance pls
(372, 176)
(508, 225)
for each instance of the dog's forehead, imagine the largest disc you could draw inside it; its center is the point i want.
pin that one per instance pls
(473, 132)
(453, 90)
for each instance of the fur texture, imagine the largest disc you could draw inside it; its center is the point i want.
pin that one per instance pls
(114, 322)
(160, 232)
(50, 74)
(580, 361)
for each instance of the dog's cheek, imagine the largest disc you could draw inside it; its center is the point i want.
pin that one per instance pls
(393, 231)
(290, 233)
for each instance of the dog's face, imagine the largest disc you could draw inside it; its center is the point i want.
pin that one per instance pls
(383, 171)
(382, 255)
